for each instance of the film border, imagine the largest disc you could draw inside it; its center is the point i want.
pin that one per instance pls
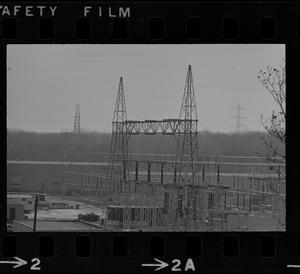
(174, 13)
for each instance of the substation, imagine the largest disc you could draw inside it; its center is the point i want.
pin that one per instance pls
(183, 192)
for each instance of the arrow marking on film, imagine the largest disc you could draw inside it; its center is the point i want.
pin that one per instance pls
(17, 263)
(293, 265)
(160, 265)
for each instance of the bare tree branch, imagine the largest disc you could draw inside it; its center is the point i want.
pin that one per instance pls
(274, 81)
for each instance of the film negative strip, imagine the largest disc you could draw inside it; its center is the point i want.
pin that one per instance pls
(190, 194)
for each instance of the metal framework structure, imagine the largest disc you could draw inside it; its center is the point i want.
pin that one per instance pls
(231, 190)
(183, 195)
(187, 155)
(238, 117)
(118, 163)
(77, 119)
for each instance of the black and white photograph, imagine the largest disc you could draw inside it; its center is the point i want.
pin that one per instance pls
(158, 137)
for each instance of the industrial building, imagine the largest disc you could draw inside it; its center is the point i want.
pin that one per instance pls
(48, 176)
(26, 200)
(44, 176)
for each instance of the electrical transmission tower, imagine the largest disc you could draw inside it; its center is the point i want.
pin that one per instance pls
(238, 117)
(77, 119)
(183, 197)
(187, 151)
(118, 163)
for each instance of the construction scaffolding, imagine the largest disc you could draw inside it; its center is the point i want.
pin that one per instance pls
(182, 192)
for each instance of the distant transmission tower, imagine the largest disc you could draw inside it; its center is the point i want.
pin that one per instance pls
(118, 170)
(77, 119)
(238, 117)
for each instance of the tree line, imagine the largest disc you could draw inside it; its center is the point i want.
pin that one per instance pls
(25, 145)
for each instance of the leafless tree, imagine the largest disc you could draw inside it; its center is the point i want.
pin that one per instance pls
(274, 80)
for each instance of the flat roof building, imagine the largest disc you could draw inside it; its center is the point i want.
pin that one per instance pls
(26, 199)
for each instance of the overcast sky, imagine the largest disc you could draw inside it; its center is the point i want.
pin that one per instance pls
(44, 83)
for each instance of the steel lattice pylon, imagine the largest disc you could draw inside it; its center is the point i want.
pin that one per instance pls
(118, 162)
(77, 119)
(183, 196)
(187, 154)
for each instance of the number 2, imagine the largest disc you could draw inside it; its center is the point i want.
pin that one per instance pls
(35, 265)
(176, 263)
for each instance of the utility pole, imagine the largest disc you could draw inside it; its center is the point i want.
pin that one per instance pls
(35, 211)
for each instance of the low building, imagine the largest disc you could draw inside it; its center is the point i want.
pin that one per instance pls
(15, 211)
(27, 200)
